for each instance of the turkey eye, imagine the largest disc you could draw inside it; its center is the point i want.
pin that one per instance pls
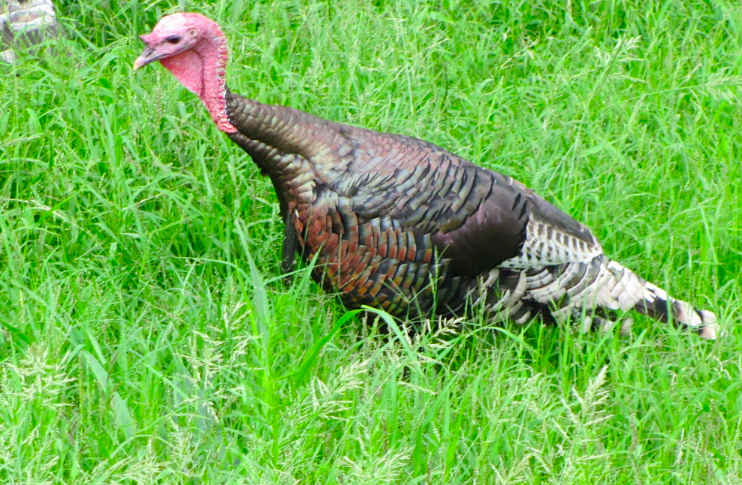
(173, 40)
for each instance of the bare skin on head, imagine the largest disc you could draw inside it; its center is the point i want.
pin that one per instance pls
(194, 49)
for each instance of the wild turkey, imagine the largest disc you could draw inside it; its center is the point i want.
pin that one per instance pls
(401, 224)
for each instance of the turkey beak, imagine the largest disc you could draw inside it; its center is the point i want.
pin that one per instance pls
(149, 55)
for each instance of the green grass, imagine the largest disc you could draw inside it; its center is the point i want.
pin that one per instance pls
(146, 335)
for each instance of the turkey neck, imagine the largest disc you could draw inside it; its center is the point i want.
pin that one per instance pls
(270, 134)
(274, 136)
(290, 146)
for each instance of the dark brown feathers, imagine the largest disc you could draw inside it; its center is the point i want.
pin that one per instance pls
(401, 224)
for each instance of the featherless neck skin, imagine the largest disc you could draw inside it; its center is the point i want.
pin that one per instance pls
(201, 67)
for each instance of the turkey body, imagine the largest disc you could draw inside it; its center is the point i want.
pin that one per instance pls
(400, 224)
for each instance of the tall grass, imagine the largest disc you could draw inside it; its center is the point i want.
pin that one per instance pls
(146, 335)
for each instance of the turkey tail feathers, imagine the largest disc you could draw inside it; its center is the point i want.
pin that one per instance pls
(622, 289)
(658, 304)
(596, 288)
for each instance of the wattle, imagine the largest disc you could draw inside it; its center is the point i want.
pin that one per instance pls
(188, 67)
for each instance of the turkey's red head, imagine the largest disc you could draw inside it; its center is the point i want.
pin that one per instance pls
(194, 49)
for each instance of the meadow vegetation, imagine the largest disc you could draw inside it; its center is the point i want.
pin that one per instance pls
(146, 335)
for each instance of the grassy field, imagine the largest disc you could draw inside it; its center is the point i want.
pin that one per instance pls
(146, 335)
